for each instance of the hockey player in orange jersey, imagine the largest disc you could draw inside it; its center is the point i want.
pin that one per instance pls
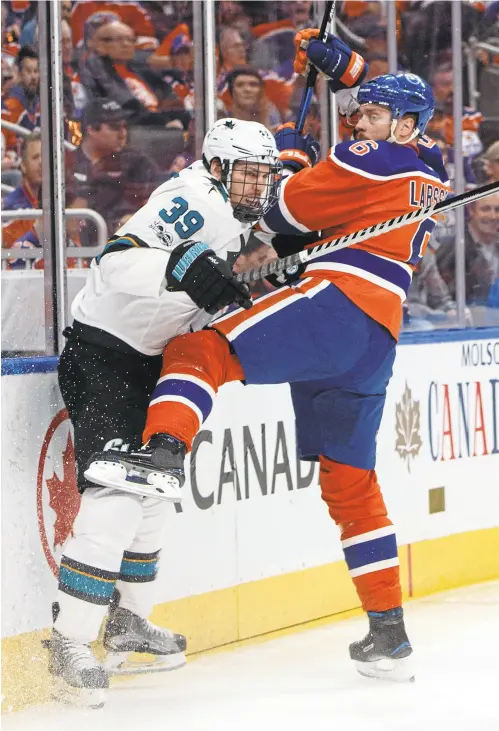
(331, 335)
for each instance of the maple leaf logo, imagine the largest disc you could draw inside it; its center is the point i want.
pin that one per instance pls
(64, 496)
(407, 426)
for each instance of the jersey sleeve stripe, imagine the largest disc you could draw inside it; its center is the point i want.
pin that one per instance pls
(325, 266)
(121, 243)
(387, 273)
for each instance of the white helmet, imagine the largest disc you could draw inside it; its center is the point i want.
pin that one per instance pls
(234, 140)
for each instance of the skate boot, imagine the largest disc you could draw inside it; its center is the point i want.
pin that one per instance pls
(156, 470)
(384, 651)
(79, 679)
(127, 633)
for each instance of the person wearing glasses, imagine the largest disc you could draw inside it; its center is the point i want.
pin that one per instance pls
(110, 72)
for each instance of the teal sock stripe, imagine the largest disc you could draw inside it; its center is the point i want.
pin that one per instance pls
(88, 583)
(139, 567)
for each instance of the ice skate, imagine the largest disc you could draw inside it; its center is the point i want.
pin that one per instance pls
(79, 679)
(127, 633)
(156, 470)
(384, 652)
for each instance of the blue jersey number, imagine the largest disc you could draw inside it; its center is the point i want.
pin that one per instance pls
(190, 221)
(420, 239)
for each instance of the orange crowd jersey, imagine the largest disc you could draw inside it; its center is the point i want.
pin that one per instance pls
(359, 185)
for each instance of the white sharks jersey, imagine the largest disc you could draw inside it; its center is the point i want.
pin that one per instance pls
(125, 293)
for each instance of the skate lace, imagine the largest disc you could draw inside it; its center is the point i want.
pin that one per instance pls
(80, 654)
(154, 630)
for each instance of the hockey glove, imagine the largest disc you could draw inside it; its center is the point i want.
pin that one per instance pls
(295, 150)
(286, 277)
(285, 245)
(193, 268)
(343, 67)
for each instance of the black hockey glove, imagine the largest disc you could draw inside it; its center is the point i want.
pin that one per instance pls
(286, 277)
(286, 244)
(193, 268)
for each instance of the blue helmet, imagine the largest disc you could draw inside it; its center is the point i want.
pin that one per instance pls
(402, 94)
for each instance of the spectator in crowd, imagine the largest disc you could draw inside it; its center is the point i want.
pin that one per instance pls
(442, 83)
(90, 27)
(160, 59)
(429, 301)
(427, 32)
(491, 163)
(273, 46)
(66, 10)
(481, 252)
(131, 14)
(71, 74)
(233, 14)
(181, 75)
(180, 162)
(9, 73)
(10, 167)
(28, 35)
(27, 195)
(109, 73)
(113, 178)
(248, 100)
(11, 29)
(372, 28)
(232, 53)
(442, 124)
(22, 104)
(182, 54)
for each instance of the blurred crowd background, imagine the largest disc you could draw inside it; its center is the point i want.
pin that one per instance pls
(130, 116)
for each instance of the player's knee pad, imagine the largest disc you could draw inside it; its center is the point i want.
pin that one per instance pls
(353, 497)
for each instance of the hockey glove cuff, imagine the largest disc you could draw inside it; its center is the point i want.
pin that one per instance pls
(343, 67)
(193, 268)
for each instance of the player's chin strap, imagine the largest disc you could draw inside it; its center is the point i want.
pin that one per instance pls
(327, 246)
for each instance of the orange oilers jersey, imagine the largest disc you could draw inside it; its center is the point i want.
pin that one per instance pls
(361, 184)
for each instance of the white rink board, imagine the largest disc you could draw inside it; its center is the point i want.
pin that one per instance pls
(219, 540)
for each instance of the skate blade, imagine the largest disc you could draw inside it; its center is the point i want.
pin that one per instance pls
(130, 663)
(398, 671)
(69, 695)
(110, 474)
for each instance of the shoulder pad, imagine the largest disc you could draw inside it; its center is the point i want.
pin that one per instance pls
(378, 160)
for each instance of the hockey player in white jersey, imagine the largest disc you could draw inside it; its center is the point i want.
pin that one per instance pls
(166, 271)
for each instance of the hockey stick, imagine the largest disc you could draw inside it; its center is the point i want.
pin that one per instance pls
(312, 74)
(327, 246)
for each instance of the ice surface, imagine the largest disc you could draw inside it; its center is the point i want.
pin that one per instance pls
(306, 681)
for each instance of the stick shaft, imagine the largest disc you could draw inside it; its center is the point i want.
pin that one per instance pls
(329, 245)
(312, 74)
